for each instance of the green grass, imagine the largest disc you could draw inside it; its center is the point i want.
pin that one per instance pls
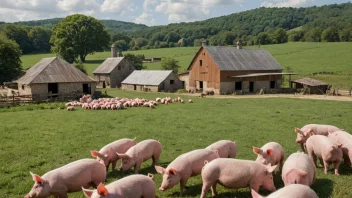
(42, 140)
(303, 58)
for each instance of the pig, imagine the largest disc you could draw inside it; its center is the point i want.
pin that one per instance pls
(225, 148)
(67, 179)
(133, 186)
(272, 153)
(235, 174)
(291, 191)
(137, 154)
(183, 167)
(70, 108)
(107, 154)
(190, 101)
(313, 129)
(299, 169)
(344, 138)
(326, 150)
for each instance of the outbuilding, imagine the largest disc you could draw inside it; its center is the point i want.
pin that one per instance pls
(310, 85)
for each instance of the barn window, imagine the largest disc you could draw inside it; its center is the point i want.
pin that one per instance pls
(238, 85)
(200, 62)
(172, 82)
(272, 84)
(22, 87)
(119, 67)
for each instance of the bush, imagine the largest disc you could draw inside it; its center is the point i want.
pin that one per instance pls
(181, 91)
(81, 67)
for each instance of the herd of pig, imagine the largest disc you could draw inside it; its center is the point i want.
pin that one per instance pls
(86, 102)
(215, 164)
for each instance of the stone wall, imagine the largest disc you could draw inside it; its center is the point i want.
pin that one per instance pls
(24, 89)
(167, 86)
(120, 73)
(185, 79)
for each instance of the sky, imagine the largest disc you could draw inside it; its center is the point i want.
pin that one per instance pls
(149, 12)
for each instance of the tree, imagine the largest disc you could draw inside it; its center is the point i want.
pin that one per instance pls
(121, 45)
(280, 36)
(20, 35)
(40, 38)
(81, 67)
(170, 64)
(172, 37)
(77, 36)
(313, 35)
(346, 35)
(331, 34)
(136, 60)
(263, 38)
(10, 62)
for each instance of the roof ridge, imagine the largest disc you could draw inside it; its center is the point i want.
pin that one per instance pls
(43, 68)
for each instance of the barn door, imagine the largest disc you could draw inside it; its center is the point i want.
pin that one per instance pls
(251, 87)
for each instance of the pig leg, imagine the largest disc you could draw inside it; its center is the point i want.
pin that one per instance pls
(321, 162)
(113, 166)
(254, 187)
(205, 189)
(213, 190)
(61, 195)
(137, 166)
(183, 183)
(312, 156)
(326, 167)
(156, 158)
(336, 167)
(302, 147)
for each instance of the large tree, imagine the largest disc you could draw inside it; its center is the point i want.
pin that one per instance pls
(169, 64)
(20, 35)
(40, 39)
(77, 36)
(10, 62)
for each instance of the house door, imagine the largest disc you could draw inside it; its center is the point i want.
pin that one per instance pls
(251, 87)
(86, 89)
(104, 85)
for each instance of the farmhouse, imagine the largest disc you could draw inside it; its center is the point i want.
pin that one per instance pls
(113, 70)
(54, 76)
(152, 80)
(228, 69)
(312, 86)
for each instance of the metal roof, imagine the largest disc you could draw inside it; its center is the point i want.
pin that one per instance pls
(53, 70)
(233, 59)
(108, 65)
(262, 74)
(309, 81)
(147, 77)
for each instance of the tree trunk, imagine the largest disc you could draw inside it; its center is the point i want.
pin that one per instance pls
(82, 57)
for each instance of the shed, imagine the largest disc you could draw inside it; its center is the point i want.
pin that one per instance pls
(54, 76)
(184, 77)
(313, 86)
(152, 80)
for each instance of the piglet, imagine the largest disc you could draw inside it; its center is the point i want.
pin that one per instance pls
(183, 167)
(70, 108)
(299, 169)
(137, 154)
(107, 154)
(272, 153)
(326, 150)
(133, 186)
(225, 148)
(313, 129)
(235, 174)
(344, 138)
(291, 191)
(67, 179)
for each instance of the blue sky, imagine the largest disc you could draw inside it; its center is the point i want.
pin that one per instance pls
(149, 12)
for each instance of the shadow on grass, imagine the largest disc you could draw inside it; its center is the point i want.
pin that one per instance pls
(192, 191)
(94, 61)
(323, 187)
(345, 169)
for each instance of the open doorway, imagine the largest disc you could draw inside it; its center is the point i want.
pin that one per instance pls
(200, 84)
(251, 87)
(272, 84)
(86, 89)
(104, 85)
(53, 88)
(135, 87)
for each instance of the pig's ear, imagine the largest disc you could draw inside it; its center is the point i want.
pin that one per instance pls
(269, 151)
(88, 193)
(94, 153)
(297, 130)
(159, 169)
(308, 133)
(37, 178)
(256, 150)
(339, 145)
(102, 190)
(172, 171)
(302, 173)
(123, 156)
(270, 168)
(255, 194)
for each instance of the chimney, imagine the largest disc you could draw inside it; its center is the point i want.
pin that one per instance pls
(113, 51)
(239, 44)
(204, 43)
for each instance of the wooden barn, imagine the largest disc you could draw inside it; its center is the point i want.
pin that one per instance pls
(152, 80)
(310, 85)
(225, 70)
(113, 70)
(54, 76)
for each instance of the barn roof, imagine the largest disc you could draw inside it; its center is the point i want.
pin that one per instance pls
(233, 59)
(53, 70)
(309, 81)
(147, 77)
(108, 65)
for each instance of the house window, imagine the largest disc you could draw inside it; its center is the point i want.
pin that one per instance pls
(272, 84)
(238, 85)
(200, 62)
(119, 67)
(172, 82)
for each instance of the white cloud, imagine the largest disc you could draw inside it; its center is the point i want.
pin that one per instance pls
(145, 18)
(287, 3)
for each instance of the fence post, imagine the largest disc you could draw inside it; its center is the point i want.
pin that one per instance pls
(13, 100)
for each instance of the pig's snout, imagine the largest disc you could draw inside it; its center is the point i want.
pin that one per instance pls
(27, 196)
(273, 189)
(162, 189)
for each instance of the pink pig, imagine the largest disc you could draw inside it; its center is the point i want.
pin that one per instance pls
(326, 150)
(344, 138)
(139, 153)
(313, 129)
(107, 154)
(225, 148)
(235, 174)
(183, 167)
(133, 186)
(299, 169)
(272, 153)
(290, 191)
(67, 179)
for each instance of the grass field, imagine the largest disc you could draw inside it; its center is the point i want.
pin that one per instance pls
(303, 58)
(42, 140)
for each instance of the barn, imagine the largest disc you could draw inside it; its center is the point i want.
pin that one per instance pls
(113, 70)
(54, 76)
(309, 85)
(152, 80)
(225, 70)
